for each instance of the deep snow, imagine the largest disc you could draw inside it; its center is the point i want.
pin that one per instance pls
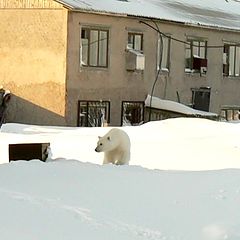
(75, 197)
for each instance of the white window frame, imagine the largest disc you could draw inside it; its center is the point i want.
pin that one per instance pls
(197, 48)
(90, 48)
(231, 59)
(165, 64)
(133, 45)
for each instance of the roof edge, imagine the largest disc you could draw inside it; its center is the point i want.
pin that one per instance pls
(197, 25)
(68, 6)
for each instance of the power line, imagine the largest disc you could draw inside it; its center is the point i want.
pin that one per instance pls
(184, 42)
(238, 1)
(158, 72)
(161, 34)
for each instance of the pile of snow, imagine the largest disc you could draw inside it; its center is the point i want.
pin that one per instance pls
(75, 197)
(168, 105)
(173, 144)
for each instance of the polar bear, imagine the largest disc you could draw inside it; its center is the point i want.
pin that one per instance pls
(116, 147)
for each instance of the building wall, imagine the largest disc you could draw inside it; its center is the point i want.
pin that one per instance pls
(116, 84)
(40, 63)
(33, 60)
(224, 90)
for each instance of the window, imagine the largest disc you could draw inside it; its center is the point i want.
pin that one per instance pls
(94, 47)
(93, 113)
(135, 41)
(230, 113)
(196, 56)
(132, 113)
(231, 60)
(165, 52)
(201, 98)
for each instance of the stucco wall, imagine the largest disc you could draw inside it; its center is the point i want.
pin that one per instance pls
(224, 90)
(116, 84)
(33, 61)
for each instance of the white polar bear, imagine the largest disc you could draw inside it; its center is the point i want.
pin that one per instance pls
(116, 147)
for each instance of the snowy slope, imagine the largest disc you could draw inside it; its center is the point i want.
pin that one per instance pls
(69, 200)
(176, 144)
(75, 197)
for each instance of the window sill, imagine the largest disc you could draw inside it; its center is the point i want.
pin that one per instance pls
(164, 71)
(137, 71)
(193, 72)
(231, 77)
(91, 68)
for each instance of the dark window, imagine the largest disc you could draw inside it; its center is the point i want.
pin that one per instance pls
(135, 41)
(231, 60)
(132, 113)
(93, 113)
(201, 98)
(196, 55)
(94, 47)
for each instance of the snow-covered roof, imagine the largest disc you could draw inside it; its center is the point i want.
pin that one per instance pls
(175, 107)
(208, 13)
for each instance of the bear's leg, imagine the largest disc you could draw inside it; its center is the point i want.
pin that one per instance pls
(108, 158)
(123, 159)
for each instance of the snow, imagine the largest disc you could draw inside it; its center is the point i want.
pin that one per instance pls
(169, 105)
(183, 183)
(217, 13)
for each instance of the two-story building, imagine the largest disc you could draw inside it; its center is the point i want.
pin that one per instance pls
(90, 63)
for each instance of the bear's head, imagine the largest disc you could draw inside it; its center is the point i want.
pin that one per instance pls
(105, 144)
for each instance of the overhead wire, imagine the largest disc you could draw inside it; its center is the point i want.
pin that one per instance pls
(158, 71)
(182, 41)
(156, 28)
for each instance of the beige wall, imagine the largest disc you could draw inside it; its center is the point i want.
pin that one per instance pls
(113, 83)
(33, 60)
(223, 90)
(116, 84)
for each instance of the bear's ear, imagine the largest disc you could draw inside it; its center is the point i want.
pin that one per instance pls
(99, 137)
(108, 138)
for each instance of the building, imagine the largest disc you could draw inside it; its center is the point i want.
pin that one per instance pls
(91, 63)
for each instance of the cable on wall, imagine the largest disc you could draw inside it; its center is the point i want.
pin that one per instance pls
(158, 71)
(156, 28)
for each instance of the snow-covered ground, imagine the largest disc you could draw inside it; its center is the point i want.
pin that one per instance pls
(183, 183)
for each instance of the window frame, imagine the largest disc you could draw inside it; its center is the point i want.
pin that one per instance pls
(88, 30)
(141, 105)
(167, 67)
(87, 103)
(227, 57)
(134, 34)
(190, 46)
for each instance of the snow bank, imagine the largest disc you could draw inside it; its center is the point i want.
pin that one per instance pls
(173, 144)
(66, 200)
(75, 197)
(168, 105)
